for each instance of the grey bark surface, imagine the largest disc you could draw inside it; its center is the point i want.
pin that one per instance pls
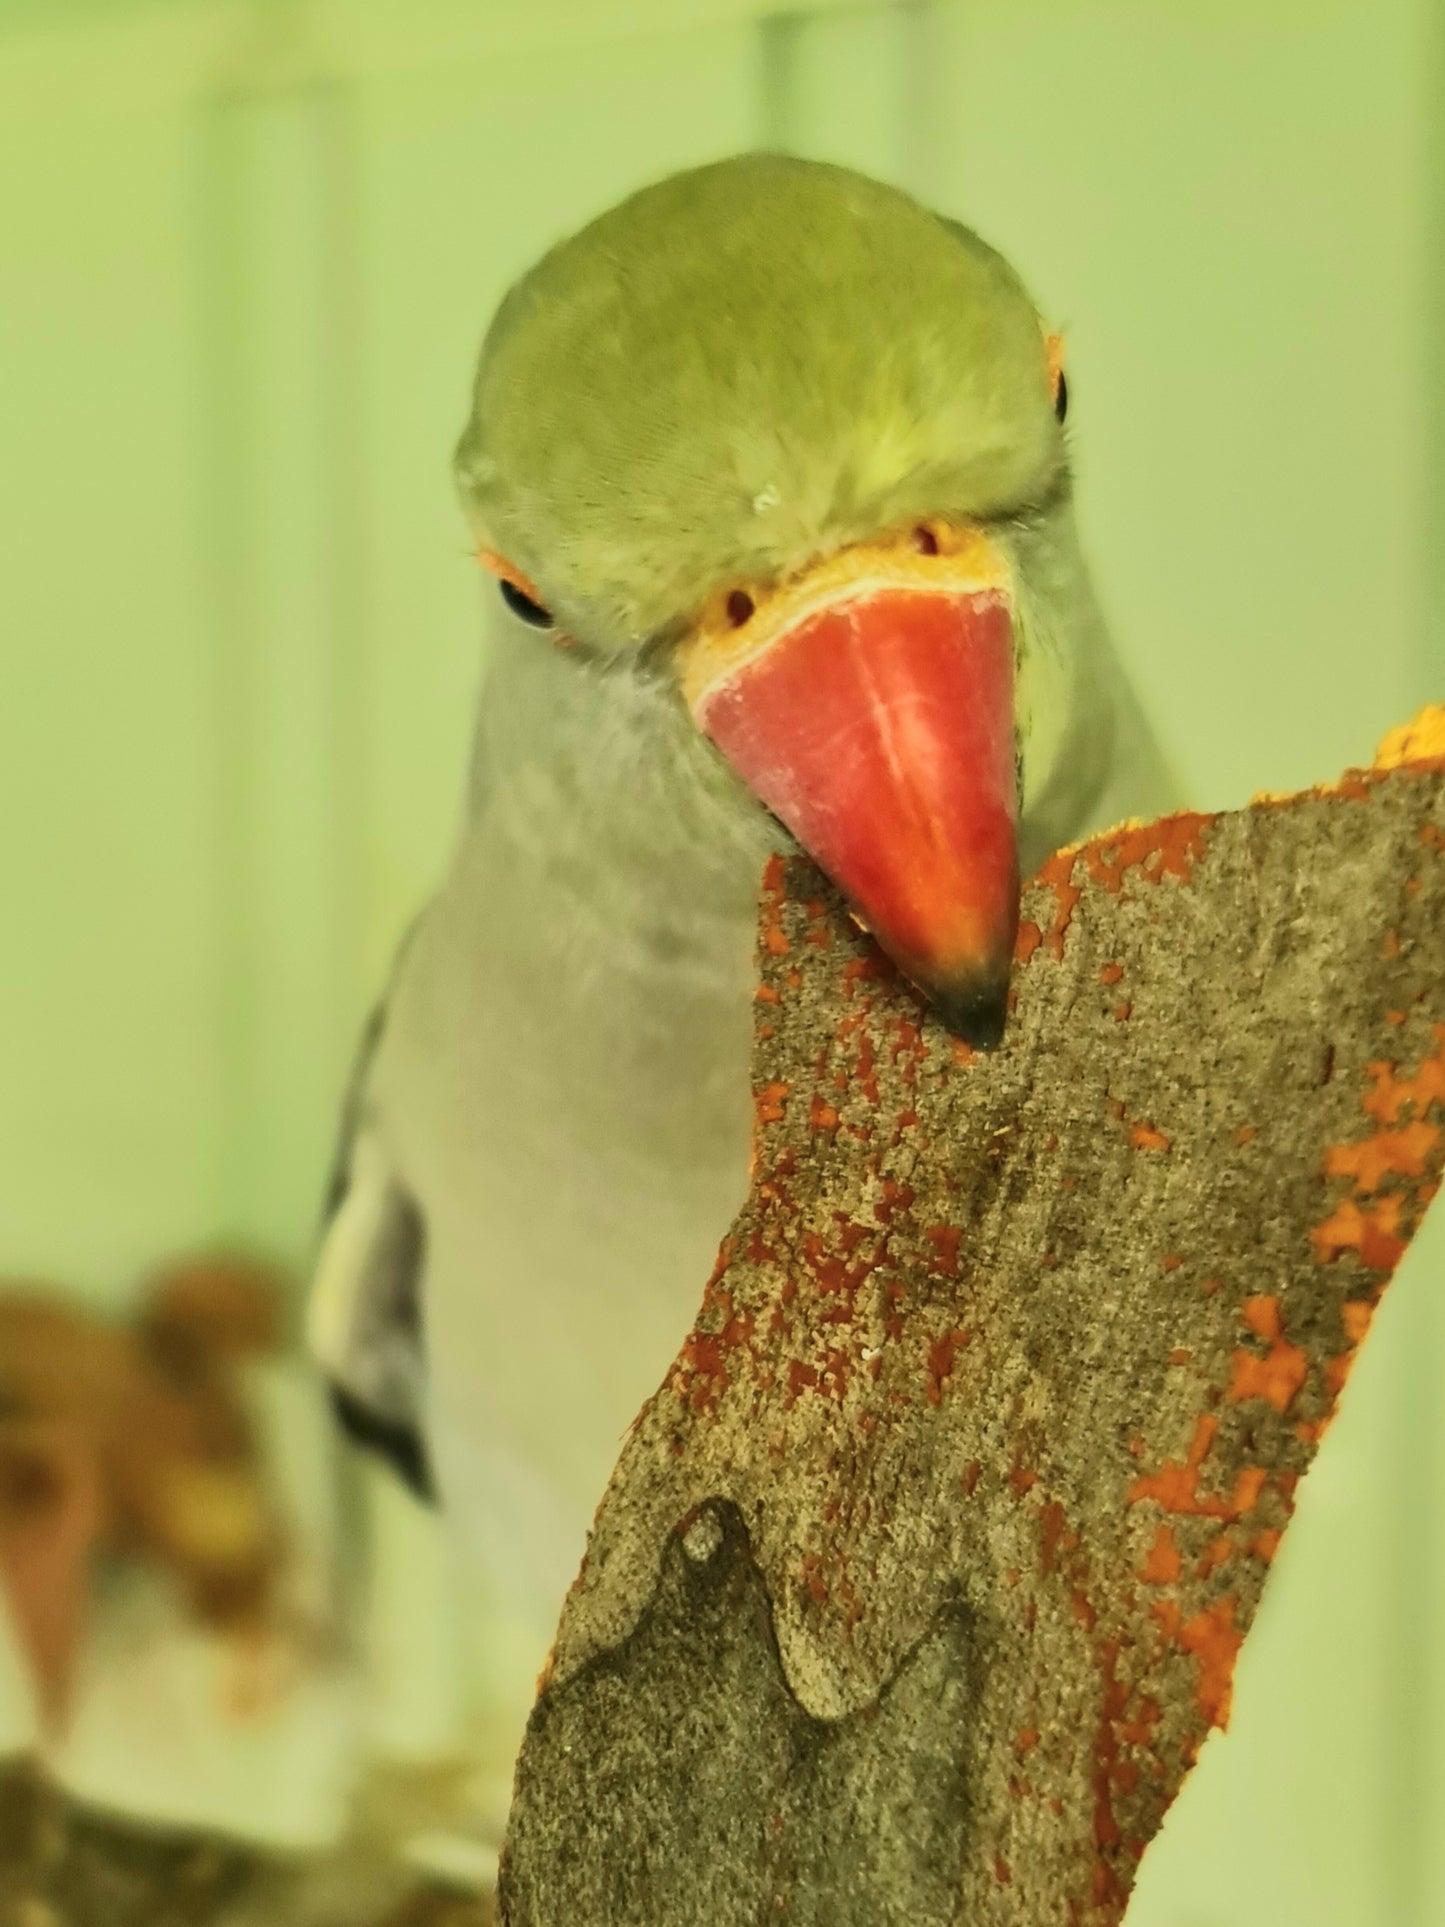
(921, 1579)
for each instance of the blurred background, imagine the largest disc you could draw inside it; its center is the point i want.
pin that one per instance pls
(247, 252)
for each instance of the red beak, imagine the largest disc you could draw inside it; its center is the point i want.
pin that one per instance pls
(873, 714)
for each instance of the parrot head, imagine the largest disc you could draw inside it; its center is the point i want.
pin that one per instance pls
(777, 435)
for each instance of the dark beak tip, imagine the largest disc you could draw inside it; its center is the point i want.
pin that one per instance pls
(977, 1013)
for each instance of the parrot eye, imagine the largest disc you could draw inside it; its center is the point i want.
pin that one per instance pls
(1061, 396)
(924, 540)
(521, 604)
(740, 607)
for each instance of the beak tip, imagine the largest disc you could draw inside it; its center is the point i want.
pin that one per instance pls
(976, 1011)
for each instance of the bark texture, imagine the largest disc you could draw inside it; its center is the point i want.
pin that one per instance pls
(921, 1579)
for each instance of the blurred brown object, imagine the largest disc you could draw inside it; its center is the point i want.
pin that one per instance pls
(133, 1438)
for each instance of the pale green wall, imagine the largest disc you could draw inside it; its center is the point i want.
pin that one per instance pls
(245, 257)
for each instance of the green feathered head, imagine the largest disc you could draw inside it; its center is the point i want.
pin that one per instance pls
(779, 428)
(738, 370)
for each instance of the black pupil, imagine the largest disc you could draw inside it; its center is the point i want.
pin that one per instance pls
(523, 606)
(1061, 397)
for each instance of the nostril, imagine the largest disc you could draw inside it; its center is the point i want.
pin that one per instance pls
(740, 607)
(924, 540)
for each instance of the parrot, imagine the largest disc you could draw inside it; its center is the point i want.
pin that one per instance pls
(769, 468)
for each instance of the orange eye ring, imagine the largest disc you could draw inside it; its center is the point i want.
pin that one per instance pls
(518, 590)
(506, 571)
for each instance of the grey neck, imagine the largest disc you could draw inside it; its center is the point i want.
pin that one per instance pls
(599, 802)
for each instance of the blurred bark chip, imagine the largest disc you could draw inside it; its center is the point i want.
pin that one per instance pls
(134, 1439)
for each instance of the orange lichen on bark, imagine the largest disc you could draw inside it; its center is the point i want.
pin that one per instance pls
(770, 1102)
(1278, 1377)
(1218, 1552)
(1262, 1314)
(1404, 1147)
(872, 967)
(1337, 1371)
(1054, 1536)
(1374, 1234)
(1140, 1729)
(1169, 848)
(1058, 874)
(1214, 1640)
(1145, 1136)
(705, 1376)
(944, 1239)
(774, 895)
(1424, 1087)
(1106, 1888)
(726, 1252)
(1401, 1153)
(1420, 741)
(1175, 1486)
(1355, 1315)
(1163, 1564)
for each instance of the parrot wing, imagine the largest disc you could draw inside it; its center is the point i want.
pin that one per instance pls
(364, 1316)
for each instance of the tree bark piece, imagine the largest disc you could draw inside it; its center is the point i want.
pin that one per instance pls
(921, 1579)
